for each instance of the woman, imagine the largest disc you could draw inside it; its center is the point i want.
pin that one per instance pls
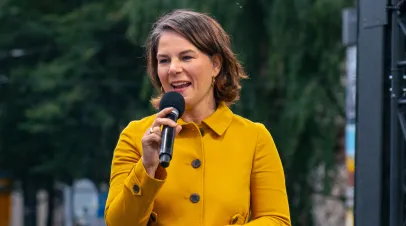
(225, 169)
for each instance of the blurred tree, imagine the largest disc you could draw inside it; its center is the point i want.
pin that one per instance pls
(73, 82)
(305, 60)
(76, 76)
(73, 78)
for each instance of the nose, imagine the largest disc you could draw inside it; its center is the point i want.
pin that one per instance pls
(175, 68)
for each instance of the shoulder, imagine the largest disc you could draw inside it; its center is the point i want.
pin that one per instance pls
(258, 129)
(265, 151)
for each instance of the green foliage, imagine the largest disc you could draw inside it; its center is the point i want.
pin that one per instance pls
(76, 77)
(77, 83)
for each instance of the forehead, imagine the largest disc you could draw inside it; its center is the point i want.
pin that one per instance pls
(171, 41)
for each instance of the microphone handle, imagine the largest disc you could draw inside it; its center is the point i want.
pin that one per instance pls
(167, 141)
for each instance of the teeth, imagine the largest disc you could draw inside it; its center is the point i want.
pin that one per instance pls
(179, 83)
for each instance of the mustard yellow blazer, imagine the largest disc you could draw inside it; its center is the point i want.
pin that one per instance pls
(225, 171)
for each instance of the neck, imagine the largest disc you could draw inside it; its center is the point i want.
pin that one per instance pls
(200, 111)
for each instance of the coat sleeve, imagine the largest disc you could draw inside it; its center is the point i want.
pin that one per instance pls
(269, 201)
(132, 191)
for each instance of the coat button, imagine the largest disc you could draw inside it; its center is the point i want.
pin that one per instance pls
(136, 189)
(196, 163)
(194, 198)
(234, 220)
(201, 131)
(152, 216)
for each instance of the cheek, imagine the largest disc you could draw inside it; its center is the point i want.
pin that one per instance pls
(204, 79)
(160, 71)
(162, 75)
(199, 74)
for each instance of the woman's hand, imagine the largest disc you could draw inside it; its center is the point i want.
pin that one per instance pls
(151, 141)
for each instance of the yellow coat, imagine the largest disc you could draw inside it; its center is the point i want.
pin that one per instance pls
(223, 172)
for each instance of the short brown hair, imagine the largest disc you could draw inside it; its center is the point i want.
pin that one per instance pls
(209, 37)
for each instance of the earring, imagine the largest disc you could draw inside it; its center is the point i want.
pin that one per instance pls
(213, 80)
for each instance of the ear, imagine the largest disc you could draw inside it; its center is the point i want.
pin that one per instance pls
(217, 61)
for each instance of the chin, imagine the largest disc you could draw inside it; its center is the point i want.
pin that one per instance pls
(188, 103)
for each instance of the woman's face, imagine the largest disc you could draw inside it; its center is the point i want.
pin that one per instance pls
(185, 69)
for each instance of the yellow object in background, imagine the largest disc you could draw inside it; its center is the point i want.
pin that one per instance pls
(5, 206)
(350, 165)
(350, 218)
(5, 202)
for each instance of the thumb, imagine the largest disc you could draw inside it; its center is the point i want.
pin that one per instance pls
(178, 129)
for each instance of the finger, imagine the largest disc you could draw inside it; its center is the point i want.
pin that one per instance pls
(157, 130)
(155, 139)
(149, 131)
(152, 139)
(160, 115)
(153, 130)
(165, 121)
(164, 112)
(178, 129)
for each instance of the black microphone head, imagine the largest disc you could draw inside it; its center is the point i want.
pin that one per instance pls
(173, 99)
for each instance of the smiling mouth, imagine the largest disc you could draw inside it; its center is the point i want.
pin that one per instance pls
(180, 85)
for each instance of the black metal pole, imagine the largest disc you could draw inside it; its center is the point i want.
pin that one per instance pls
(395, 154)
(372, 125)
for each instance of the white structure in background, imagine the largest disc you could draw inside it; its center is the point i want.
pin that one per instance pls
(17, 207)
(85, 202)
(79, 207)
(67, 197)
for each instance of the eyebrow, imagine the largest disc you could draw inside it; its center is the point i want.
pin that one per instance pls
(181, 53)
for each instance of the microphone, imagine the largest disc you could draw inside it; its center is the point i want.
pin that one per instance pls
(175, 100)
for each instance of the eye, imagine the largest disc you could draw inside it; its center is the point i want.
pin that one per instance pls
(163, 61)
(187, 58)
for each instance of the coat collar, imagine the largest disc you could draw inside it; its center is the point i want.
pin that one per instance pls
(219, 121)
